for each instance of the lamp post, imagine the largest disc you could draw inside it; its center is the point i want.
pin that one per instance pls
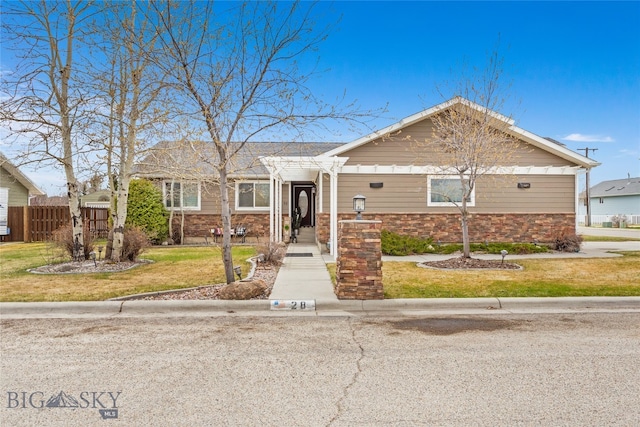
(358, 205)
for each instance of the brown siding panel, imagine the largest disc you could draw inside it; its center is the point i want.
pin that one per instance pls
(407, 148)
(408, 193)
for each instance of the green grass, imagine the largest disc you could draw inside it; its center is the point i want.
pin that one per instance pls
(540, 278)
(173, 268)
(586, 238)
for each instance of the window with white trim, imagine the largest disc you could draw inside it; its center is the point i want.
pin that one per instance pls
(180, 195)
(252, 195)
(447, 191)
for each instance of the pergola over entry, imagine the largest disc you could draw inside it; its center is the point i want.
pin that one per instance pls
(292, 169)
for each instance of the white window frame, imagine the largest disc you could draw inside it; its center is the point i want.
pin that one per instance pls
(182, 207)
(253, 208)
(470, 203)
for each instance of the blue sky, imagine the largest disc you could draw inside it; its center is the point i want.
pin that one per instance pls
(574, 67)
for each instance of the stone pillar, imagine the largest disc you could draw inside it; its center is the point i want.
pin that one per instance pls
(359, 263)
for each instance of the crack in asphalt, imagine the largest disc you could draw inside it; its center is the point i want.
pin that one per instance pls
(354, 379)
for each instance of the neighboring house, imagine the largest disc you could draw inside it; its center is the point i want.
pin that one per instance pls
(19, 187)
(534, 198)
(611, 198)
(50, 201)
(97, 199)
(16, 189)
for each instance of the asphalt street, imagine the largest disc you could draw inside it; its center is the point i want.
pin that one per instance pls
(569, 369)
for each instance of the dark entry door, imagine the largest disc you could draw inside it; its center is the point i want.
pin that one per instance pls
(303, 199)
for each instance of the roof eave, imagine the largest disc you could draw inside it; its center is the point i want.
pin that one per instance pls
(33, 189)
(556, 149)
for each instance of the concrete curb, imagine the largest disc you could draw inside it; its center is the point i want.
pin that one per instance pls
(571, 303)
(59, 309)
(410, 304)
(185, 308)
(189, 308)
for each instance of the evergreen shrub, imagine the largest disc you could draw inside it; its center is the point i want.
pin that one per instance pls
(146, 210)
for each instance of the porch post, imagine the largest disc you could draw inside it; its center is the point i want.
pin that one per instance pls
(319, 207)
(333, 216)
(271, 207)
(278, 211)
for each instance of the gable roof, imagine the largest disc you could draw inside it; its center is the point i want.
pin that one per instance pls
(171, 158)
(20, 177)
(616, 187)
(543, 143)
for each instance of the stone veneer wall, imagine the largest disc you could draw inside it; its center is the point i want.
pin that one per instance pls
(446, 227)
(200, 225)
(359, 262)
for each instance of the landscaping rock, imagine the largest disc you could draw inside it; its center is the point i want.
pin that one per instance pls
(462, 263)
(243, 290)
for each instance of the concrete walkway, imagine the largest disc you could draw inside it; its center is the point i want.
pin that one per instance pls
(303, 276)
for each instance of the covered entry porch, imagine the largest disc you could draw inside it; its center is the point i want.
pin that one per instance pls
(303, 179)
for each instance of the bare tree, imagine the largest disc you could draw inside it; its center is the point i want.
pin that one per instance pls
(43, 100)
(131, 89)
(470, 140)
(237, 67)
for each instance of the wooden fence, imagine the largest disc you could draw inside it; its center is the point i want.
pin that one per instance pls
(37, 223)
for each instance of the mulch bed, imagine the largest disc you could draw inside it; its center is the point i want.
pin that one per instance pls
(462, 263)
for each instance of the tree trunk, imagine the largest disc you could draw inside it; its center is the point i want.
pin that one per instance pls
(227, 259)
(109, 248)
(76, 220)
(171, 211)
(466, 247)
(181, 226)
(464, 216)
(119, 219)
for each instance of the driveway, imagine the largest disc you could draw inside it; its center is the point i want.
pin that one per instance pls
(610, 232)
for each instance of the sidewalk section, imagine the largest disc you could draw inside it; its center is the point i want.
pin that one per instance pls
(303, 276)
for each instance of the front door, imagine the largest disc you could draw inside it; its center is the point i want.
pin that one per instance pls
(303, 198)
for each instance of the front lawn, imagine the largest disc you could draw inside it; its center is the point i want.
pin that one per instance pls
(540, 278)
(174, 267)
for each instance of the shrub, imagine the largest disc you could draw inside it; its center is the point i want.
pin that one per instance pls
(619, 220)
(398, 245)
(146, 210)
(135, 241)
(273, 252)
(63, 238)
(567, 241)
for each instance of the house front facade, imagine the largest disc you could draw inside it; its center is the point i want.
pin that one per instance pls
(16, 189)
(16, 185)
(532, 198)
